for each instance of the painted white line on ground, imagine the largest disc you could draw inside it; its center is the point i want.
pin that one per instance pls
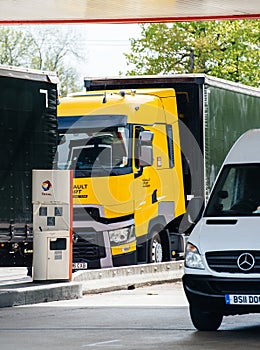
(102, 343)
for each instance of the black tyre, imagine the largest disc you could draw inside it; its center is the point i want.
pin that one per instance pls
(205, 320)
(156, 249)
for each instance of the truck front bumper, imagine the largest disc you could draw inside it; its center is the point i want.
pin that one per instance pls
(125, 260)
(209, 293)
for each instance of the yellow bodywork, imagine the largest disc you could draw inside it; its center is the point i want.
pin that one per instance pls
(128, 194)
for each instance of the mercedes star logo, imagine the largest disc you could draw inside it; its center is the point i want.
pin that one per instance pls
(245, 261)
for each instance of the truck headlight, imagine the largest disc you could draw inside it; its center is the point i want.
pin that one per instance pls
(193, 258)
(122, 235)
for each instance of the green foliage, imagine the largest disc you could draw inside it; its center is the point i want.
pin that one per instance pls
(51, 48)
(14, 46)
(225, 49)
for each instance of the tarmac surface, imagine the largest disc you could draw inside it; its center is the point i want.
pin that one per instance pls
(16, 288)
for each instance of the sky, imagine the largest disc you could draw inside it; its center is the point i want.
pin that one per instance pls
(102, 47)
(105, 47)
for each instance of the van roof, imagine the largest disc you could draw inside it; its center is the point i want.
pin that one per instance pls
(246, 149)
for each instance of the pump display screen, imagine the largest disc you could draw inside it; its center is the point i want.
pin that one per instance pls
(58, 244)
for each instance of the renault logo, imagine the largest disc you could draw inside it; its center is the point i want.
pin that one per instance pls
(245, 261)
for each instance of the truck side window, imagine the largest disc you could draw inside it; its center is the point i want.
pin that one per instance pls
(170, 145)
(137, 129)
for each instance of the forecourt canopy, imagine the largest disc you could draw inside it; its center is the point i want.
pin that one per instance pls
(118, 11)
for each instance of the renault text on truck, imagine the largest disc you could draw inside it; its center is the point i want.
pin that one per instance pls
(222, 263)
(145, 151)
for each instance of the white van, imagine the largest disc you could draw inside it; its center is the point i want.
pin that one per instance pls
(222, 259)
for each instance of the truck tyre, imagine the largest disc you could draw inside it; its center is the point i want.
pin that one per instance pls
(205, 320)
(156, 249)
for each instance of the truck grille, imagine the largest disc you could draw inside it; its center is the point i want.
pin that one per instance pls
(228, 261)
(87, 246)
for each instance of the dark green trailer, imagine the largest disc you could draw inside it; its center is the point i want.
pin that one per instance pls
(28, 140)
(213, 113)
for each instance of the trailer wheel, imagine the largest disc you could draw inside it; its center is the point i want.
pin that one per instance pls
(205, 320)
(156, 249)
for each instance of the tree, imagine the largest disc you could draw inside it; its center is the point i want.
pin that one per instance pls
(52, 48)
(14, 46)
(225, 49)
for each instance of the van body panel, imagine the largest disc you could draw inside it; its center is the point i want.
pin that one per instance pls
(230, 233)
(246, 149)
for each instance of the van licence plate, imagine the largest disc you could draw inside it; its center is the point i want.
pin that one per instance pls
(242, 299)
(79, 266)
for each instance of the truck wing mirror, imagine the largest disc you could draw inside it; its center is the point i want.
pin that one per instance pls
(146, 148)
(194, 209)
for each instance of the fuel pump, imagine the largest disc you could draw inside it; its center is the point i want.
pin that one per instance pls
(52, 225)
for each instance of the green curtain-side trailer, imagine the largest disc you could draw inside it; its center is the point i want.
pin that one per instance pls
(28, 140)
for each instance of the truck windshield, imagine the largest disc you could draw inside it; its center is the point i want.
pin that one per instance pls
(237, 192)
(93, 151)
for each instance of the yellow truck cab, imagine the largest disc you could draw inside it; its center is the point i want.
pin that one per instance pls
(125, 151)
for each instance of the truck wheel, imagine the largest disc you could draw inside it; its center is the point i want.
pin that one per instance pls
(156, 249)
(205, 320)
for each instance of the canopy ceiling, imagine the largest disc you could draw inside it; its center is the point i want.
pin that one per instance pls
(118, 11)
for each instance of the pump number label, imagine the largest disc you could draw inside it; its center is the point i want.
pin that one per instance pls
(233, 299)
(79, 266)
